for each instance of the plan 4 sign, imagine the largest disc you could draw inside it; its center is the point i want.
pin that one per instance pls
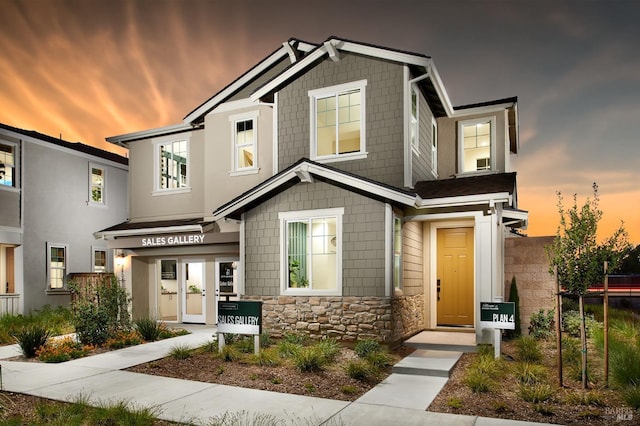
(498, 315)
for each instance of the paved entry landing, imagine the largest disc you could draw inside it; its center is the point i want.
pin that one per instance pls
(444, 341)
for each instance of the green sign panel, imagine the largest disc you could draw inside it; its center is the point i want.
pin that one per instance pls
(240, 317)
(500, 315)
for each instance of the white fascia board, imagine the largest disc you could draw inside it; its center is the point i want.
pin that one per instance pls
(383, 53)
(107, 235)
(466, 200)
(440, 89)
(245, 79)
(515, 214)
(387, 193)
(284, 76)
(483, 109)
(122, 140)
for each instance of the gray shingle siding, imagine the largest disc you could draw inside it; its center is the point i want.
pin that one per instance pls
(384, 115)
(422, 163)
(363, 250)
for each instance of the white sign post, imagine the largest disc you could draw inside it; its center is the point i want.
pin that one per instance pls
(499, 316)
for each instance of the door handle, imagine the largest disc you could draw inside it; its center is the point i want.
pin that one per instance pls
(438, 288)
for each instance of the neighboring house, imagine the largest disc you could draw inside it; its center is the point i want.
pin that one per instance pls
(336, 183)
(54, 194)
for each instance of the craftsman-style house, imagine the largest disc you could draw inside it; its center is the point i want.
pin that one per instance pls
(336, 183)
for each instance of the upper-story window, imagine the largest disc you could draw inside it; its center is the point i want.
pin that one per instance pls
(7, 164)
(96, 184)
(476, 140)
(413, 124)
(172, 165)
(244, 131)
(338, 122)
(312, 252)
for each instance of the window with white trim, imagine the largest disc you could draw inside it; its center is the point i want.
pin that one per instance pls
(338, 122)
(7, 164)
(56, 266)
(312, 252)
(244, 133)
(397, 252)
(99, 256)
(172, 165)
(476, 141)
(96, 184)
(434, 146)
(413, 125)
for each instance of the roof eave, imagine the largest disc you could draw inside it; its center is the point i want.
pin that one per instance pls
(466, 200)
(109, 235)
(124, 139)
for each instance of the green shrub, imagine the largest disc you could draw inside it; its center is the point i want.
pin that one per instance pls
(591, 397)
(265, 358)
(528, 349)
(229, 353)
(541, 324)
(367, 346)
(180, 351)
(295, 338)
(528, 373)
(571, 323)
(478, 382)
(624, 360)
(571, 351)
(349, 390)
(454, 402)
(61, 350)
(123, 339)
(330, 349)
(358, 369)
(244, 344)
(210, 346)
(515, 298)
(631, 396)
(309, 359)
(536, 393)
(379, 360)
(31, 338)
(487, 366)
(101, 314)
(265, 340)
(288, 349)
(149, 328)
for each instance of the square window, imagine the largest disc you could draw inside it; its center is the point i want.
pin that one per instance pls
(99, 260)
(337, 121)
(311, 256)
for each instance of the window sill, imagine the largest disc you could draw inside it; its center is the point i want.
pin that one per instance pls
(244, 172)
(343, 157)
(160, 192)
(308, 292)
(9, 188)
(57, 291)
(477, 173)
(98, 205)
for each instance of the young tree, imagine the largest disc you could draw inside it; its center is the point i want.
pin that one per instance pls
(579, 257)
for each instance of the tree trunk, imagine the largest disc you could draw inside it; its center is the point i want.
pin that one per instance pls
(583, 338)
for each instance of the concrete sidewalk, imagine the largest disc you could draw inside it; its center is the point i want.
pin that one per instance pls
(399, 399)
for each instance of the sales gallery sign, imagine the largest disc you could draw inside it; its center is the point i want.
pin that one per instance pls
(498, 315)
(240, 317)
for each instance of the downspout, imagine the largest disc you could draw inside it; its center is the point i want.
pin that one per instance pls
(408, 161)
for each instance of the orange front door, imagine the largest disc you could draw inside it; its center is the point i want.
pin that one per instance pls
(455, 277)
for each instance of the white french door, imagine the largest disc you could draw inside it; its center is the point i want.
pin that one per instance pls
(193, 291)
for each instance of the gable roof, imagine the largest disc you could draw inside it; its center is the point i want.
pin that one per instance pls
(76, 146)
(306, 170)
(293, 49)
(421, 64)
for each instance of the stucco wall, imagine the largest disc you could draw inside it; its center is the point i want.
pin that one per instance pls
(363, 253)
(384, 116)
(526, 259)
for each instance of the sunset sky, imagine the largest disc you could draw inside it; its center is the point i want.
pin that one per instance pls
(87, 70)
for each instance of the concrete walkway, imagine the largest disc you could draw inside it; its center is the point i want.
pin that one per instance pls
(402, 398)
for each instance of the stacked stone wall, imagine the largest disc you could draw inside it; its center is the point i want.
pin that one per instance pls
(408, 316)
(346, 319)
